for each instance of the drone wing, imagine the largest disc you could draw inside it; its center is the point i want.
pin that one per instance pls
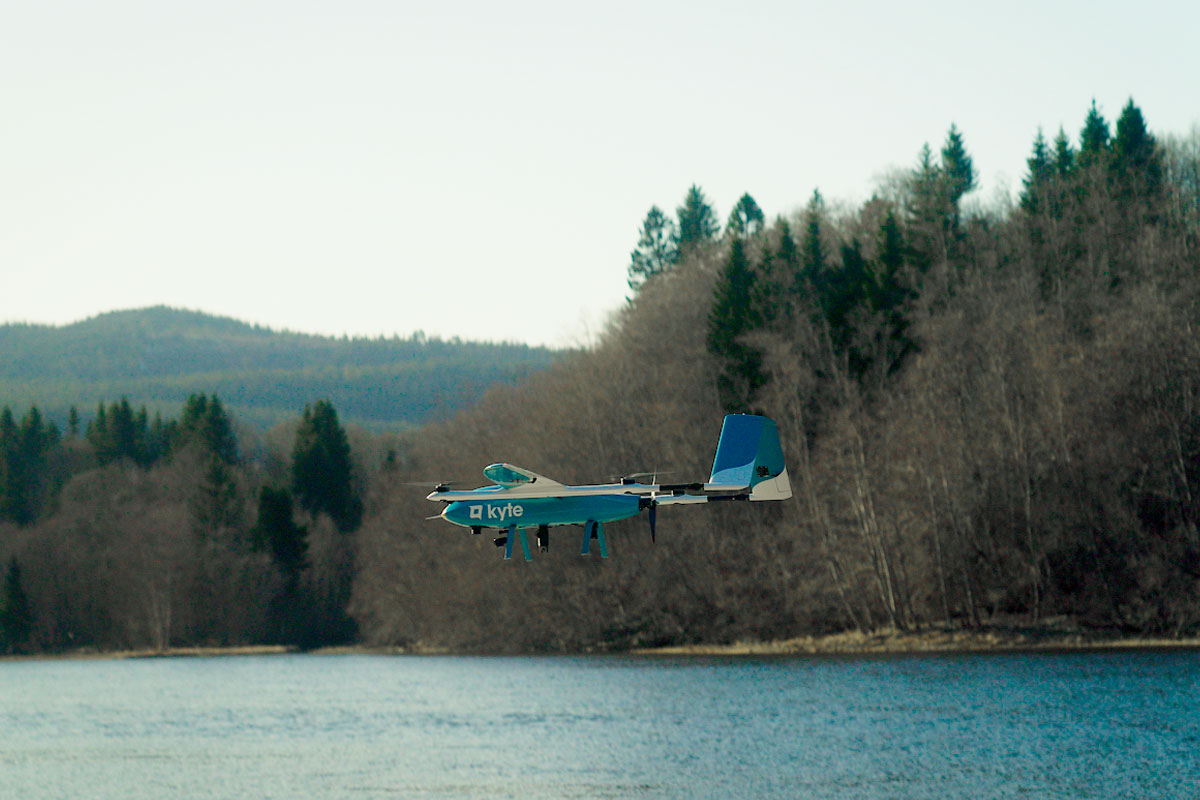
(510, 476)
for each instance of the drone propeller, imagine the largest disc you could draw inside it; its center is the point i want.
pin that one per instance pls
(438, 486)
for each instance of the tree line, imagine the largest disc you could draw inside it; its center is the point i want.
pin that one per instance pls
(140, 533)
(988, 413)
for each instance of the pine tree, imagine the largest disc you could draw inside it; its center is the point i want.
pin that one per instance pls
(205, 423)
(846, 294)
(117, 433)
(733, 315)
(1136, 162)
(322, 473)
(776, 274)
(162, 434)
(10, 477)
(1093, 139)
(697, 221)
(813, 259)
(73, 422)
(657, 248)
(25, 484)
(217, 501)
(97, 435)
(864, 303)
(16, 615)
(891, 253)
(277, 533)
(746, 220)
(122, 432)
(957, 166)
(930, 212)
(33, 443)
(1041, 171)
(1064, 155)
(890, 293)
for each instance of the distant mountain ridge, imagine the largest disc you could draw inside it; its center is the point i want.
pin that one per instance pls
(157, 356)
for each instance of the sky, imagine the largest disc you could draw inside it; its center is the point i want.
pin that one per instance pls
(481, 169)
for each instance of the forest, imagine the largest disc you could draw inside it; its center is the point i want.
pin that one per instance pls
(987, 411)
(159, 356)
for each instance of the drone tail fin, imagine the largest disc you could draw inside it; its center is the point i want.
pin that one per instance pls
(749, 454)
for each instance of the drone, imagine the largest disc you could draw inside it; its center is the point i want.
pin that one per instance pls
(748, 466)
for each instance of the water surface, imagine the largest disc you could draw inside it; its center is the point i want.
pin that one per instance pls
(1047, 725)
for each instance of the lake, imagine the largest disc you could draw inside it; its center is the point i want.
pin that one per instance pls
(1123, 724)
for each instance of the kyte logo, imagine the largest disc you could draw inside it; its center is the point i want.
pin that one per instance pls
(507, 511)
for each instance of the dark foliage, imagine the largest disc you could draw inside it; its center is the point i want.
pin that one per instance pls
(157, 357)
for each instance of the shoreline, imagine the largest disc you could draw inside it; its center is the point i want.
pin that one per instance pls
(930, 641)
(995, 640)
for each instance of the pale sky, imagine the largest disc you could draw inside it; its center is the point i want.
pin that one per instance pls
(481, 169)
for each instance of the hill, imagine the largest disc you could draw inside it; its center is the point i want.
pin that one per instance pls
(158, 356)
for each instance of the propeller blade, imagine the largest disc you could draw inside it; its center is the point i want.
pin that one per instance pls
(438, 486)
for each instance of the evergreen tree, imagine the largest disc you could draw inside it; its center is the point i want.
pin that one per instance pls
(122, 431)
(929, 211)
(657, 248)
(205, 423)
(16, 615)
(217, 501)
(1093, 139)
(890, 293)
(845, 296)
(162, 434)
(864, 303)
(1136, 162)
(73, 422)
(733, 315)
(813, 260)
(33, 442)
(25, 485)
(697, 221)
(891, 254)
(957, 166)
(787, 263)
(776, 274)
(1064, 155)
(277, 533)
(10, 477)
(97, 435)
(1134, 146)
(1041, 171)
(118, 433)
(746, 220)
(322, 474)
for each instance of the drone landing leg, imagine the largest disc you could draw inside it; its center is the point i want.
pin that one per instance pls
(524, 541)
(593, 530)
(516, 533)
(587, 538)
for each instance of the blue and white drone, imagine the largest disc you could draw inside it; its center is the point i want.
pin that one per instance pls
(748, 466)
